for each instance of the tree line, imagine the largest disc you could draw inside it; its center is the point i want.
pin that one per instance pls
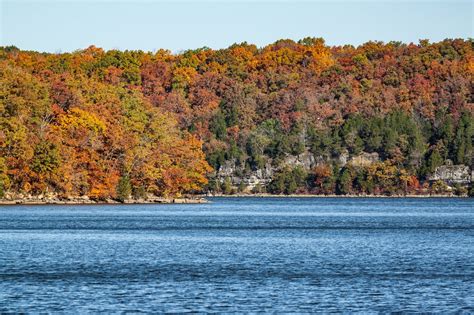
(110, 124)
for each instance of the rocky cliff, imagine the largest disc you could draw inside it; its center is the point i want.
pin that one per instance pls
(453, 174)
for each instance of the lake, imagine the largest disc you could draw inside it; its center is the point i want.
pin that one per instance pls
(240, 254)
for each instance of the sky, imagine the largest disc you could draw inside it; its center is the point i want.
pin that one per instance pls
(68, 25)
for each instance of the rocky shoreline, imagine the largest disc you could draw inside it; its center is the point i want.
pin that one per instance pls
(85, 201)
(192, 200)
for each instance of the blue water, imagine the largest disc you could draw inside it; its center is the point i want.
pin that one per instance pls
(240, 254)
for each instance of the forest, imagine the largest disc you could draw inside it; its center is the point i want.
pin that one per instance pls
(115, 124)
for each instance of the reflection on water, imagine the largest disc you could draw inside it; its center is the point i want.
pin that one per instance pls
(240, 254)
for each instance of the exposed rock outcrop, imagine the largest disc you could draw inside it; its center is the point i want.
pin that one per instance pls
(261, 176)
(238, 174)
(305, 160)
(251, 178)
(452, 174)
(364, 159)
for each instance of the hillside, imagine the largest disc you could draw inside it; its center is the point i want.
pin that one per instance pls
(291, 117)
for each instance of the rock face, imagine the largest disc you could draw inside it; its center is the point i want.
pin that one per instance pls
(343, 158)
(238, 174)
(452, 174)
(262, 176)
(305, 160)
(364, 159)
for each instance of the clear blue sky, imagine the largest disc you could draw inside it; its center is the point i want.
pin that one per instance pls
(148, 25)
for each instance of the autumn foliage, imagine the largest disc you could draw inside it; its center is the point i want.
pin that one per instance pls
(77, 123)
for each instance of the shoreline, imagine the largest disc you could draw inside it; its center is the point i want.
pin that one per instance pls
(87, 201)
(198, 199)
(332, 196)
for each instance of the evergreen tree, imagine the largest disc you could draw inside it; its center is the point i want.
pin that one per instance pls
(124, 188)
(434, 161)
(463, 142)
(227, 186)
(344, 185)
(218, 126)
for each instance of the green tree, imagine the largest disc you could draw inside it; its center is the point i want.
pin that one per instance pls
(218, 126)
(46, 158)
(463, 142)
(439, 187)
(214, 185)
(124, 188)
(278, 183)
(4, 180)
(434, 161)
(344, 185)
(242, 187)
(227, 186)
(298, 177)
